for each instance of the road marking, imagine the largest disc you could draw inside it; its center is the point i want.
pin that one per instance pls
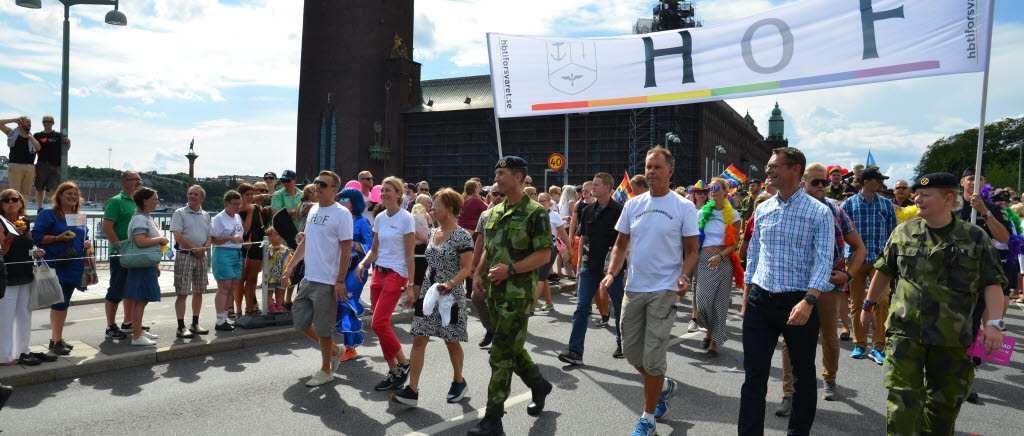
(473, 415)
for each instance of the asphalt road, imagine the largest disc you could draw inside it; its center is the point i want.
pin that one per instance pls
(261, 391)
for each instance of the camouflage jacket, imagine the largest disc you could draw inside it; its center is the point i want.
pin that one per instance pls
(941, 275)
(511, 233)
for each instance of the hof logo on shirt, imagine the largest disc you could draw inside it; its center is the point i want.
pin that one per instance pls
(318, 219)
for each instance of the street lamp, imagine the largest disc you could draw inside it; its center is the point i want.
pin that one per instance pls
(114, 18)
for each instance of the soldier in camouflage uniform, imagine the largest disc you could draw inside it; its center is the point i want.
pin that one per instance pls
(943, 264)
(517, 241)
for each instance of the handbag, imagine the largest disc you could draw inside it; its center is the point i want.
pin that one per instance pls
(45, 290)
(132, 256)
(89, 276)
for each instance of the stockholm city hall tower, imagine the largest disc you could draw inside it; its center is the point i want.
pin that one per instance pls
(356, 78)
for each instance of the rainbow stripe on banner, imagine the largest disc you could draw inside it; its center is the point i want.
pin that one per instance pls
(741, 89)
(734, 175)
(624, 191)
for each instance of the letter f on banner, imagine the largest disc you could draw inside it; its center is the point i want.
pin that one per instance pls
(685, 50)
(868, 16)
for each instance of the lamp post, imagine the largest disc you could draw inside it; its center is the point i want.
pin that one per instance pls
(114, 17)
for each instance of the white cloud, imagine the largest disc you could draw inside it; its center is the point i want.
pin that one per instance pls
(31, 76)
(171, 49)
(138, 113)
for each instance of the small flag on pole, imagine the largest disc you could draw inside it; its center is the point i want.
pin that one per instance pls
(734, 175)
(624, 191)
(871, 160)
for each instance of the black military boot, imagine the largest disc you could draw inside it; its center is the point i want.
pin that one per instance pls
(489, 426)
(539, 393)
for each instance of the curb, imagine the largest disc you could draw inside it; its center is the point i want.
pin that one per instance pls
(102, 300)
(101, 363)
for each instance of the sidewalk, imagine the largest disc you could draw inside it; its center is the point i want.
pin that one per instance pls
(97, 292)
(93, 353)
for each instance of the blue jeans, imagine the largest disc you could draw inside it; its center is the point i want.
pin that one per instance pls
(586, 288)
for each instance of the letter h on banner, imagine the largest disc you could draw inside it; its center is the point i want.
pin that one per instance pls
(685, 50)
(868, 16)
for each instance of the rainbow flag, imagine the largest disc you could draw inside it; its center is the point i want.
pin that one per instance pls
(734, 175)
(624, 191)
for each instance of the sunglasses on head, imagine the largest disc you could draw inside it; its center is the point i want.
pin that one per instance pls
(819, 183)
(11, 200)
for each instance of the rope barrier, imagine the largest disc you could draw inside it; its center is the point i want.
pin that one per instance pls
(261, 243)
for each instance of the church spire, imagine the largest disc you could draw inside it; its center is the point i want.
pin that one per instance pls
(776, 124)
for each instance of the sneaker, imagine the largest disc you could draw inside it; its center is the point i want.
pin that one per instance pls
(691, 327)
(127, 328)
(486, 342)
(643, 428)
(149, 335)
(28, 360)
(115, 333)
(618, 352)
(407, 396)
(184, 333)
(195, 329)
(666, 393)
(549, 307)
(58, 348)
(385, 385)
(571, 357)
(348, 354)
(143, 341)
(877, 356)
(456, 392)
(44, 357)
(319, 378)
(224, 327)
(602, 322)
(401, 377)
(831, 390)
(785, 408)
(858, 352)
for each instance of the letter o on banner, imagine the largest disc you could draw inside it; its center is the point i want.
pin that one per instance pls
(787, 46)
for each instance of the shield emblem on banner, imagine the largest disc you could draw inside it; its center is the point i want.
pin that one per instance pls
(572, 66)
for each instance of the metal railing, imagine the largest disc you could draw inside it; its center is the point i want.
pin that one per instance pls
(100, 245)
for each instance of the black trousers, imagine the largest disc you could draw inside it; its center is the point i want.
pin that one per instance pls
(765, 320)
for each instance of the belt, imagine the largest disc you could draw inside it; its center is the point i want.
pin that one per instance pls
(784, 294)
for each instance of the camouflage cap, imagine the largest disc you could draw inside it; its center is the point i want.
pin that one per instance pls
(937, 180)
(511, 162)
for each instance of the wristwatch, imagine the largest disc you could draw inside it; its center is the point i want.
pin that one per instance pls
(810, 299)
(868, 305)
(511, 269)
(997, 323)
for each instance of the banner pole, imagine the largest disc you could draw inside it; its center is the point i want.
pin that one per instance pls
(497, 134)
(565, 171)
(984, 106)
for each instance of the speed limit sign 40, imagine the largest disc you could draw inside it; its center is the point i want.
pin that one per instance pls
(556, 162)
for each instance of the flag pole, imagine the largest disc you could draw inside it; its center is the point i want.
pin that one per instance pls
(494, 99)
(984, 105)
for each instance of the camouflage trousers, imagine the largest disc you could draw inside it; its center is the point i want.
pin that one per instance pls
(927, 385)
(508, 352)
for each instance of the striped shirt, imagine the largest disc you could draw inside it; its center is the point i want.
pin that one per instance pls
(875, 220)
(791, 246)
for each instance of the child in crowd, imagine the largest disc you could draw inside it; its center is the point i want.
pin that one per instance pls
(278, 258)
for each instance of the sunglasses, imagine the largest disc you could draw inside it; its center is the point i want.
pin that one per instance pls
(366, 179)
(820, 183)
(321, 184)
(47, 121)
(269, 178)
(10, 200)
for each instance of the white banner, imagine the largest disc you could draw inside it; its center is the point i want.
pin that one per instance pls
(811, 44)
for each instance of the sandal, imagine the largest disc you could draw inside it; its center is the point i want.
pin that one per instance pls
(706, 344)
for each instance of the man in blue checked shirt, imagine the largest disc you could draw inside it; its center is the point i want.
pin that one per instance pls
(789, 262)
(874, 217)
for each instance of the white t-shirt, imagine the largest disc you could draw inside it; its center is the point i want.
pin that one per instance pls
(656, 227)
(556, 222)
(326, 228)
(224, 226)
(391, 231)
(714, 230)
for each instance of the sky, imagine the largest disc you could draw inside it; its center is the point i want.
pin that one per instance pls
(226, 73)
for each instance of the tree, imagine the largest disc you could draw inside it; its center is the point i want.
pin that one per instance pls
(1000, 159)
